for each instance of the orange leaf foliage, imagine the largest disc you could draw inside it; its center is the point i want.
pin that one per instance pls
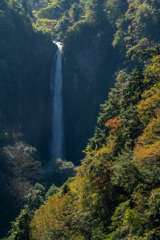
(114, 124)
(147, 149)
(149, 104)
(52, 218)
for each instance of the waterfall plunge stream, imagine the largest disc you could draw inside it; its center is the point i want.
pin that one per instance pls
(57, 105)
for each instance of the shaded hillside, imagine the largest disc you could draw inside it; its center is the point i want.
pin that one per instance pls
(25, 60)
(25, 75)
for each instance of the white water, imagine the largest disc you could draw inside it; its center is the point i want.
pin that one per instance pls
(57, 105)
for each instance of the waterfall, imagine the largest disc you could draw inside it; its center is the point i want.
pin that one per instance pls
(57, 105)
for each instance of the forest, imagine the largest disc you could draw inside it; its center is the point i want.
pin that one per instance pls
(111, 71)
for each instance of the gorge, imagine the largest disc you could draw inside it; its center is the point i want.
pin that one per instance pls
(79, 126)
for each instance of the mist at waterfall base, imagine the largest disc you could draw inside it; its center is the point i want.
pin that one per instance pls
(57, 140)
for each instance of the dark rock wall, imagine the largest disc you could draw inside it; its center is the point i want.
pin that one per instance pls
(88, 75)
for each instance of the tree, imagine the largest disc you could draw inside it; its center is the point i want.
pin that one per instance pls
(147, 152)
(125, 171)
(149, 104)
(35, 196)
(115, 10)
(131, 94)
(54, 219)
(51, 191)
(21, 227)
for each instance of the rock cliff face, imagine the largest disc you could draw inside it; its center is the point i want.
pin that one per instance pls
(89, 66)
(32, 112)
(25, 124)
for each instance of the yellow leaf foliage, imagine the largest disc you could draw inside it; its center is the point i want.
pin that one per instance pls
(147, 149)
(52, 220)
(152, 72)
(149, 103)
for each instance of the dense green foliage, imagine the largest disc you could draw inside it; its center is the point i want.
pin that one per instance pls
(116, 191)
(25, 57)
(115, 194)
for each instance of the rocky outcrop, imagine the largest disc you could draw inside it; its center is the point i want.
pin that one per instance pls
(89, 66)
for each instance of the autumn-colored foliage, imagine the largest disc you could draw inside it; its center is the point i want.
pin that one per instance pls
(111, 196)
(149, 104)
(147, 150)
(52, 220)
(115, 194)
(152, 71)
(114, 124)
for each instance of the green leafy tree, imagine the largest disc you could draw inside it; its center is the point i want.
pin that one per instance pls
(20, 228)
(125, 171)
(35, 196)
(115, 10)
(51, 191)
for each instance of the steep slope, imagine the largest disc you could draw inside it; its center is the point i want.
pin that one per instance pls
(89, 65)
(115, 194)
(25, 106)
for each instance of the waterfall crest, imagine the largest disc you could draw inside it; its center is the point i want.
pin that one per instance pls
(57, 105)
